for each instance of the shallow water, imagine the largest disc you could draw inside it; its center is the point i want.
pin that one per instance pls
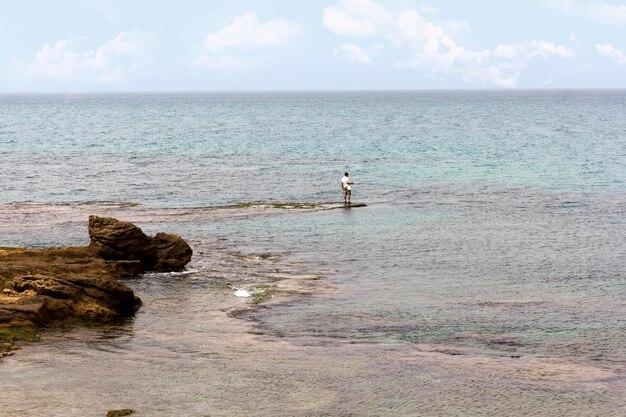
(485, 275)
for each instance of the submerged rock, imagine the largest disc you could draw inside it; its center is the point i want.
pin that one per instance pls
(120, 413)
(115, 239)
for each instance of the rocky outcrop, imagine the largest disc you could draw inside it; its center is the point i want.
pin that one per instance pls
(40, 286)
(95, 298)
(117, 240)
(120, 413)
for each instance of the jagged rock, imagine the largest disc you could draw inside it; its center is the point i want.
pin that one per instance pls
(117, 240)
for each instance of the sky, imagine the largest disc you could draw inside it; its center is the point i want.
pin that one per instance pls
(244, 45)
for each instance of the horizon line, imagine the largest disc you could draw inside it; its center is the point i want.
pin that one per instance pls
(356, 90)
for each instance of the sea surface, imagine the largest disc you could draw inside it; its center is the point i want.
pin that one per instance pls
(485, 277)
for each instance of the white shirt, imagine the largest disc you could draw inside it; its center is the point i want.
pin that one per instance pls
(344, 183)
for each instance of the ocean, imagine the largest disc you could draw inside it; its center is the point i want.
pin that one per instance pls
(486, 274)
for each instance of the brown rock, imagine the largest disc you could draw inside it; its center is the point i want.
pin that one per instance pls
(171, 252)
(39, 286)
(27, 314)
(115, 239)
(95, 298)
(120, 413)
(118, 240)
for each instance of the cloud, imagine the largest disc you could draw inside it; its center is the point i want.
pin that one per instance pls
(596, 10)
(610, 51)
(221, 51)
(247, 31)
(547, 49)
(431, 47)
(506, 51)
(352, 53)
(106, 64)
(358, 18)
(455, 26)
(529, 50)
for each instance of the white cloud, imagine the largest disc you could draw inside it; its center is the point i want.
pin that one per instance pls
(528, 50)
(596, 10)
(455, 27)
(356, 18)
(610, 14)
(546, 49)
(221, 51)
(430, 46)
(247, 31)
(507, 51)
(107, 64)
(352, 53)
(610, 51)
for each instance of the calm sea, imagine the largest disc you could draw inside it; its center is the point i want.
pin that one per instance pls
(487, 271)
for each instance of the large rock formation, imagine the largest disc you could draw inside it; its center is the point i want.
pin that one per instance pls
(116, 240)
(40, 299)
(40, 286)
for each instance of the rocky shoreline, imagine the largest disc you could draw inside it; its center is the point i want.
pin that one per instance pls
(40, 287)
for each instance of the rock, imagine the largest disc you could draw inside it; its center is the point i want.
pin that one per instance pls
(120, 413)
(41, 286)
(171, 252)
(95, 298)
(38, 300)
(117, 240)
(36, 311)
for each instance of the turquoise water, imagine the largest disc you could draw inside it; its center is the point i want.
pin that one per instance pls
(294, 146)
(494, 235)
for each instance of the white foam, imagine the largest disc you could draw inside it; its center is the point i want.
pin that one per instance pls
(242, 293)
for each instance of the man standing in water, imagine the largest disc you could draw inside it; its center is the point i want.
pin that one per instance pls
(346, 187)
